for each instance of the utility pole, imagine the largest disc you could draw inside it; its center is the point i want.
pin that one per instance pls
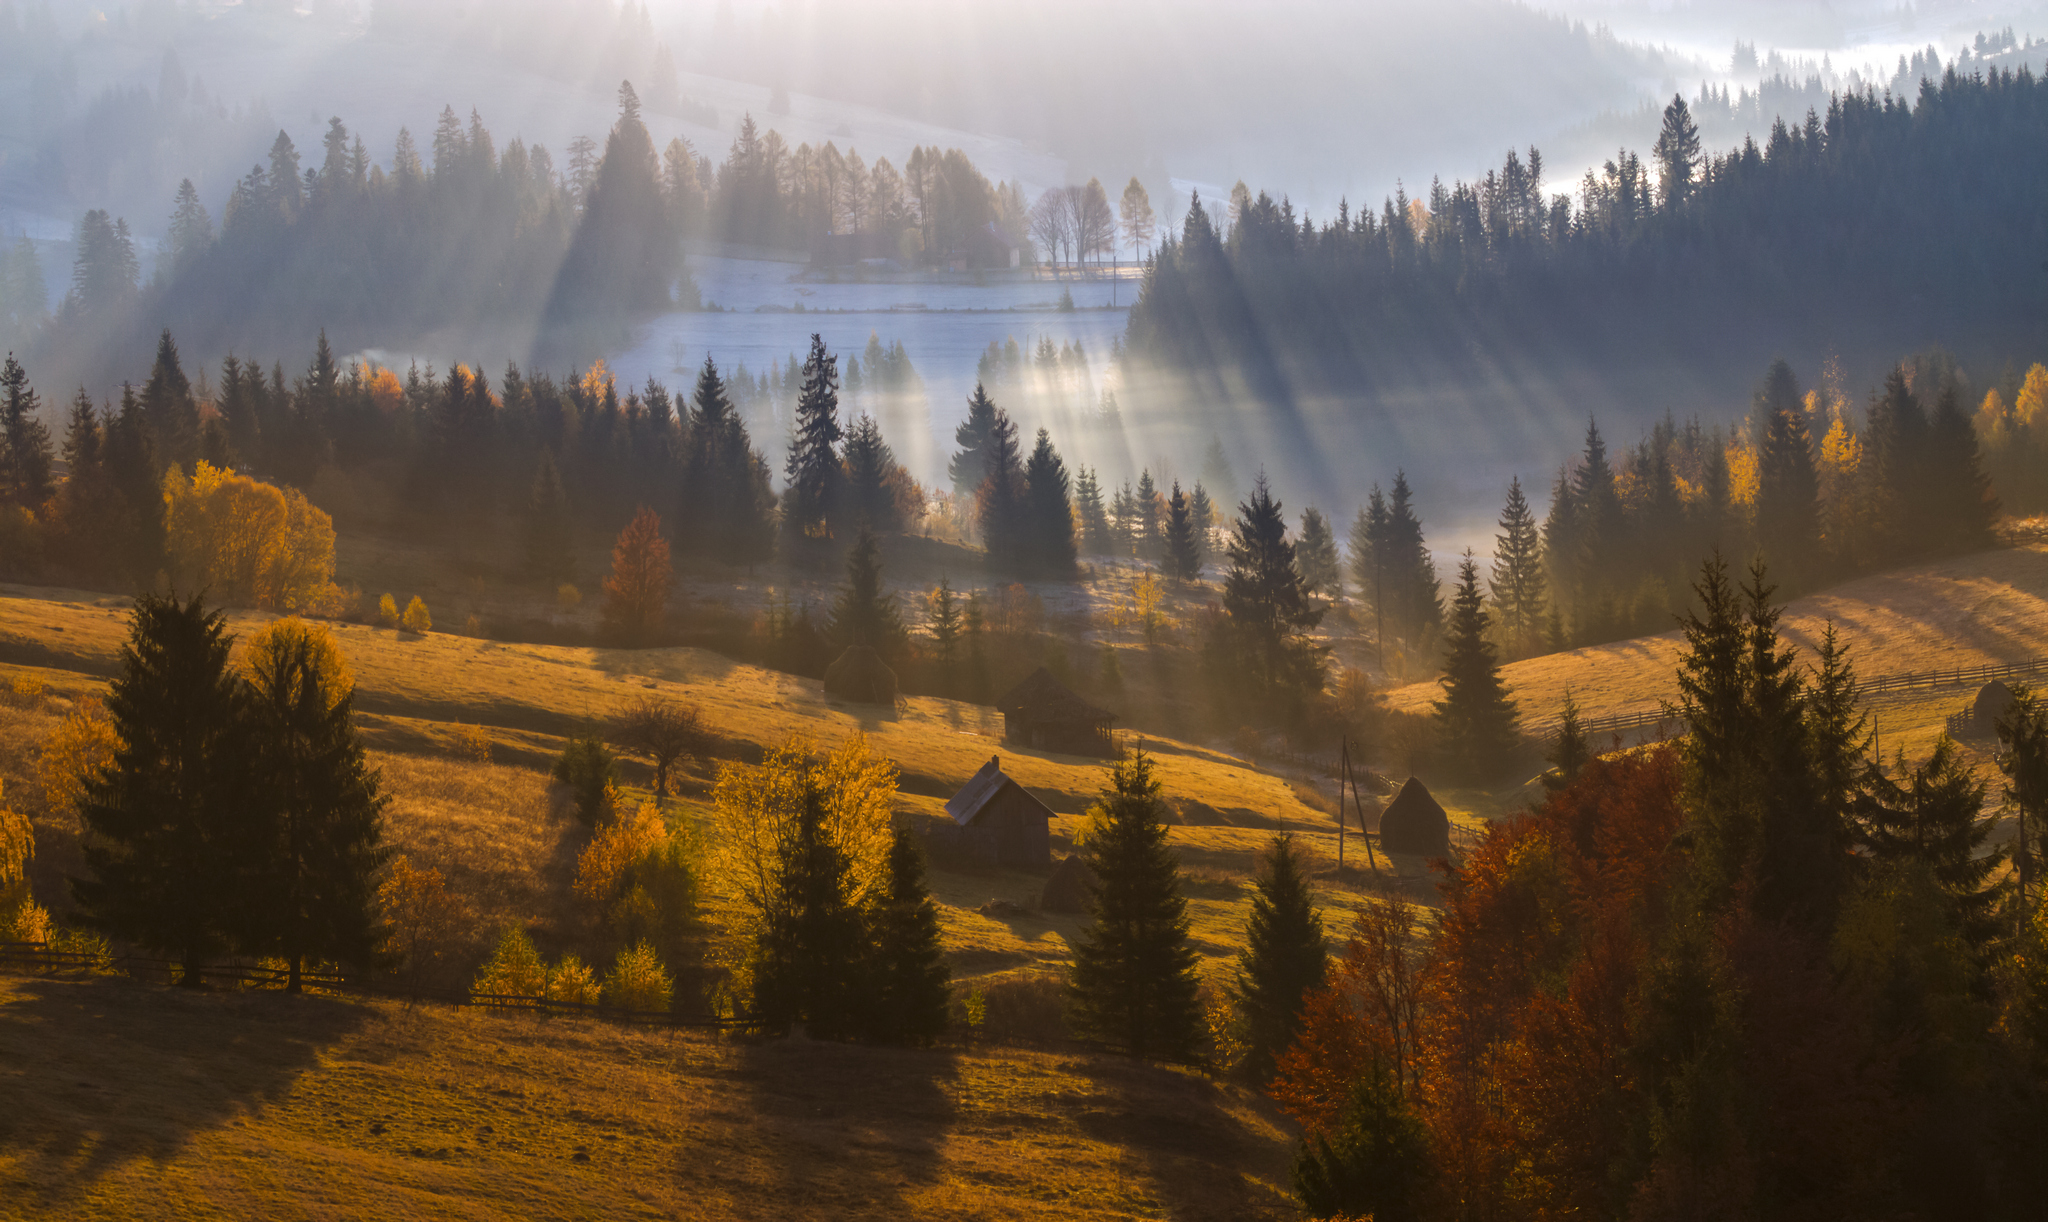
(1345, 757)
(1359, 803)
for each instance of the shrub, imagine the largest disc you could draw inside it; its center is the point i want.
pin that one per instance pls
(268, 644)
(586, 768)
(568, 597)
(638, 983)
(416, 620)
(82, 744)
(1027, 1008)
(515, 968)
(27, 689)
(387, 611)
(474, 742)
(573, 983)
(247, 541)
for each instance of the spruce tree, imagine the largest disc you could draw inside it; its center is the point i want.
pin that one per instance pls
(1894, 452)
(1960, 506)
(1602, 533)
(1267, 614)
(727, 505)
(1284, 956)
(1413, 595)
(24, 440)
(999, 502)
(1570, 754)
(174, 835)
(1316, 556)
(870, 479)
(1476, 718)
(1089, 512)
(970, 466)
(1146, 528)
(865, 613)
(1936, 818)
(907, 980)
(550, 558)
(321, 803)
(947, 627)
(1788, 496)
(813, 939)
(1202, 513)
(1049, 514)
(1134, 983)
(1518, 587)
(1561, 539)
(1375, 1165)
(1181, 561)
(168, 408)
(811, 499)
(1838, 732)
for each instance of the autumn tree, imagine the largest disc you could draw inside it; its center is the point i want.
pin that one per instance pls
(636, 592)
(247, 541)
(424, 920)
(663, 730)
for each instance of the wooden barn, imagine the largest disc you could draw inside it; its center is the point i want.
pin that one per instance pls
(1041, 713)
(997, 821)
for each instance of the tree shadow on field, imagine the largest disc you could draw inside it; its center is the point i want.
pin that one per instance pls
(103, 1073)
(1172, 1125)
(849, 1130)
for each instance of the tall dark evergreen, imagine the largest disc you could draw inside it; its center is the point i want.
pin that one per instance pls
(1000, 497)
(907, 979)
(1894, 448)
(1134, 983)
(1182, 561)
(1677, 154)
(323, 811)
(1569, 752)
(1375, 1165)
(812, 497)
(1090, 514)
(1267, 615)
(1284, 957)
(624, 256)
(1148, 536)
(1476, 719)
(809, 953)
(865, 613)
(548, 530)
(1409, 582)
(25, 458)
(1048, 512)
(976, 434)
(871, 479)
(1520, 593)
(174, 839)
(1601, 534)
(727, 505)
(1202, 512)
(1788, 486)
(168, 408)
(1960, 506)
(1316, 556)
(1934, 815)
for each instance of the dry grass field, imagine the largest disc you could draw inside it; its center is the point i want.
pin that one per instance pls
(124, 1101)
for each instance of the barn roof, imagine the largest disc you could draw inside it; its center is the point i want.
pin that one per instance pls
(982, 788)
(1045, 698)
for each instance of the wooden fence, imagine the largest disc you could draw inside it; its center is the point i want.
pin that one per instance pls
(40, 957)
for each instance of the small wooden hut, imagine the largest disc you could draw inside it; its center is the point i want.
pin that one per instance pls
(1414, 823)
(1042, 713)
(998, 822)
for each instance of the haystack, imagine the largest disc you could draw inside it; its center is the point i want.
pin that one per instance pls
(1068, 889)
(1993, 699)
(861, 676)
(1414, 823)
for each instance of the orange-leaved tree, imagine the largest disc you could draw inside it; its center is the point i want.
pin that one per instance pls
(636, 593)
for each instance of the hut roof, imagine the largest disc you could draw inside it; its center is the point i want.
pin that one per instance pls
(1045, 698)
(1414, 822)
(982, 788)
(861, 676)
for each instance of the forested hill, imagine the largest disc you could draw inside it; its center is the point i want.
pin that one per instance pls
(1879, 227)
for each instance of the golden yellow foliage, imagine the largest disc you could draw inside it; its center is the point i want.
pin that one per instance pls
(387, 611)
(2031, 404)
(572, 982)
(1742, 473)
(638, 982)
(514, 969)
(597, 379)
(1841, 452)
(386, 391)
(424, 919)
(27, 688)
(1993, 417)
(30, 922)
(81, 746)
(416, 620)
(269, 645)
(17, 846)
(247, 541)
(619, 843)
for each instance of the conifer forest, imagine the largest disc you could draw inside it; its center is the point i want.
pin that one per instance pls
(1403, 611)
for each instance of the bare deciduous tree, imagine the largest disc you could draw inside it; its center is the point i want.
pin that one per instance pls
(662, 730)
(1051, 227)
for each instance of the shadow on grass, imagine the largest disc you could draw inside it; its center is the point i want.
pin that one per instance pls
(1172, 1125)
(106, 1073)
(855, 1129)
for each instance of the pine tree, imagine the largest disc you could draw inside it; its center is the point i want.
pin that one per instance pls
(1049, 514)
(947, 627)
(865, 613)
(172, 841)
(1316, 556)
(1267, 614)
(1284, 956)
(811, 496)
(870, 479)
(1895, 443)
(727, 504)
(1202, 514)
(1788, 495)
(1936, 818)
(976, 434)
(1678, 154)
(550, 558)
(1181, 562)
(1570, 754)
(1838, 731)
(907, 980)
(810, 948)
(1960, 505)
(1561, 540)
(1476, 717)
(1134, 983)
(1414, 601)
(1518, 587)
(999, 501)
(25, 458)
(1601, 536)
(168, 408)
(1367, 545)
(1090, 514)
(636, 592)
(1150, 542)
(326, 816)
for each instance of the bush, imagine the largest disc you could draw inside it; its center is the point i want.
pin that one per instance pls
(586, 768)
(247, 541)
(515, 968)
(568, 597)
(1028, 1008)
(573, 983)
(638, 983)
(416, 620)
(387, 611)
